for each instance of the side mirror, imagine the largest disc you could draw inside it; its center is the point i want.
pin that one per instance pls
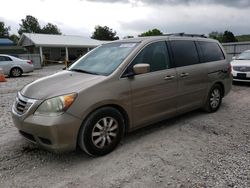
(141, 68)
(234, 57)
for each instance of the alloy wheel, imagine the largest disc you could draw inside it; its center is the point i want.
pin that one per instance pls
(104, 132)
(215, 98)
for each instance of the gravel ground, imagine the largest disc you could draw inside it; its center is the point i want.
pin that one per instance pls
(193, 150)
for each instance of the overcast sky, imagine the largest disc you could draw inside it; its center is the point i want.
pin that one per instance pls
(132, 17)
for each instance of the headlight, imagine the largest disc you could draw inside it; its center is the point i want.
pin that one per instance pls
(55, 106)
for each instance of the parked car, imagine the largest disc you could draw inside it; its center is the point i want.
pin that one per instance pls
(241, 67)
(14, 66)
(119, 87)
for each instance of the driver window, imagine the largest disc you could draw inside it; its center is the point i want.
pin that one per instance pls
(155, 55)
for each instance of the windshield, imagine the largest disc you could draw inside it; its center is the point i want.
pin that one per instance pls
(104, 59)
(244, 56)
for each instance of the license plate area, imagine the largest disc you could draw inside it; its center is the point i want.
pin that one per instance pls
(241, 75)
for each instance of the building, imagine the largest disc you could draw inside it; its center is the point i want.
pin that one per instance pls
(235, 48)
(7, 46)
(57, 48)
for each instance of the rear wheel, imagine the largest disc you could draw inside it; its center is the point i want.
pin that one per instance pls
(15, 72)
(101, 132)
(214, 99)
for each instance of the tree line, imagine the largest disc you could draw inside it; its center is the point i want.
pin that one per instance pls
(31, 24)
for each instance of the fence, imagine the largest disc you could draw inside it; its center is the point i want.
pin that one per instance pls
(35, 58)
(235, 48)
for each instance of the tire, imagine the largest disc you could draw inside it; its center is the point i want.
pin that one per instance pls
(214, 99)
(97, 138)
(16, 72)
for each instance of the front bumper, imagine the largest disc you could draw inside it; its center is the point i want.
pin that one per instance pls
(57, 134)
(241, 76)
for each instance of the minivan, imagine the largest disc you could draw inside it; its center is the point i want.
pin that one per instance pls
(121, 86)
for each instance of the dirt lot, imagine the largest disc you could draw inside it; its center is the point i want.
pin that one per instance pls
(193, 150)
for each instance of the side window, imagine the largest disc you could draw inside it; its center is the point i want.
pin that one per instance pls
(4, 58)
(184, 52)
(210, 51)
(155, 54)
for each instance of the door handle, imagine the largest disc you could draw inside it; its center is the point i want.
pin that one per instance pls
(184, 74)
(169, 77)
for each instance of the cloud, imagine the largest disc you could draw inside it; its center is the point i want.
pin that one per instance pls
(229, 3)
(196, 19)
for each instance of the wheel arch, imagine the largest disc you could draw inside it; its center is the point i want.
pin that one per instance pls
(118, 108)
(222, 87)
(16, 66)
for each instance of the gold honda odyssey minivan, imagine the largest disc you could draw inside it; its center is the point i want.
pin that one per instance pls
(119, 87)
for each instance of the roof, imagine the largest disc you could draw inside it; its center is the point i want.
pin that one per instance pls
(47, 40)
(6, 42)
(164, 37)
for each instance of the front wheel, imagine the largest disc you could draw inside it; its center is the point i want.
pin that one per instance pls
(101, 132)
(214, 99)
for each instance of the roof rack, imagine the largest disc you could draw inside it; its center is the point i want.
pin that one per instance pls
(185, 35)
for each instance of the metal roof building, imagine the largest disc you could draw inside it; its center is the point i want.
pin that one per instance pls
(57, 47)
(6, 42)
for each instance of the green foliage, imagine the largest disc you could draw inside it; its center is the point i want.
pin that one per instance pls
(153, 32)
(243, 38)
(225, 37)
(4, 31)
(29, 25)
(51, 29)
(14, 38)
(104, 33)
(216, 35)
(228, 36)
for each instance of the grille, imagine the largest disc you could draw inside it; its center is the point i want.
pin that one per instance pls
(22, 104)
(241, 68)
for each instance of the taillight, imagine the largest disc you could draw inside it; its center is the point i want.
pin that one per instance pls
(229, 68)
(30, 62)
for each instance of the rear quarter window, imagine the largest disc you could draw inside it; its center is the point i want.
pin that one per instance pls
(210, 51)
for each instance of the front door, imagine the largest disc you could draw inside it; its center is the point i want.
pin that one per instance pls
(154, 93)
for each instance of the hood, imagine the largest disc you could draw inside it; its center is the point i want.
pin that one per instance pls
(61, 83)
(240, 63)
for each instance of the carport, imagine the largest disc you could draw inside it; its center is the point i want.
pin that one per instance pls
(57, 48)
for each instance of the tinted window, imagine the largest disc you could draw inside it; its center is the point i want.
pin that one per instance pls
(156, 55)
(184, 53)
(4, 58)
(210, 51)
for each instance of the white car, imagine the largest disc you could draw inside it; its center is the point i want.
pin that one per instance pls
(14, 66)
(241, 67)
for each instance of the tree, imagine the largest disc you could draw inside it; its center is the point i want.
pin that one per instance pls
(51, 29)
(29, 25)
(4, 31)
(216, 35)
(228, 36)
(153, 32)
(104, 33)
(14, 38)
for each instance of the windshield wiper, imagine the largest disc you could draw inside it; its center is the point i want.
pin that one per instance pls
(83, 71)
